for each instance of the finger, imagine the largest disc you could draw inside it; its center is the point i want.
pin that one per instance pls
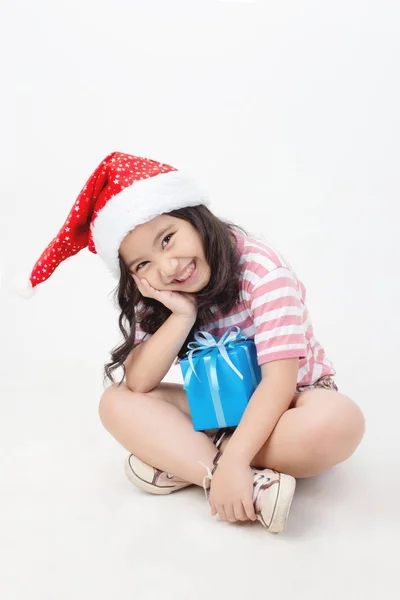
(150, 289)
(138, 284)
(212, 507)
(145, 283)
(239, 511)
(221, 512)
(248, 508)
(144, 287)
(230, 514)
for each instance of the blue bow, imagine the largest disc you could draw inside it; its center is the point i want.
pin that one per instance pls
(206, 343)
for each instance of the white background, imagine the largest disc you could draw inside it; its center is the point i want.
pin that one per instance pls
(288, 113)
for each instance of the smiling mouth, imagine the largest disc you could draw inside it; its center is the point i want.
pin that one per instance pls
(187, 274)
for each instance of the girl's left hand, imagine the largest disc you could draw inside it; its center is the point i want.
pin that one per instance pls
(231, 492)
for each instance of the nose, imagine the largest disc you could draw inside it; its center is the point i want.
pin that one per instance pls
(169, 268)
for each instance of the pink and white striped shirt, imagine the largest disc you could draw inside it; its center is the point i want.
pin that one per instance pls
(271, 311)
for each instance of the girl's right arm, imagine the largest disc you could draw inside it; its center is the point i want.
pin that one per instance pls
(148, 363)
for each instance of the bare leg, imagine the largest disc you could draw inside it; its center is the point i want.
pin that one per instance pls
(156, 427)
(321, 430)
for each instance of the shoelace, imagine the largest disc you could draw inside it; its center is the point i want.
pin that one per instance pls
(206, 478)
(259, 480)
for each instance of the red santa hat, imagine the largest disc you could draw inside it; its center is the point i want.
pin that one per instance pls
(123, 192)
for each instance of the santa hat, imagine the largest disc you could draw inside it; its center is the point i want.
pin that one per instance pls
(123, 192)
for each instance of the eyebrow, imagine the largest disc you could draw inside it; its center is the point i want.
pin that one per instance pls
(158, 236)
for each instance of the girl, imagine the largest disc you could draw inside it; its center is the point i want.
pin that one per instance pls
(182, 269)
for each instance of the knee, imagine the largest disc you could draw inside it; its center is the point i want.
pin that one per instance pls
(108, 405)
(337, 429)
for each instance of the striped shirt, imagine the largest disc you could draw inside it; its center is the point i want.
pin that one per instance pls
(271, 310)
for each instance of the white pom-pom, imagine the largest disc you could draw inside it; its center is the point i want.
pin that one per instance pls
(23, 287)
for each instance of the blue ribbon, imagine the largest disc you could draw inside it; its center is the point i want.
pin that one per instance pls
(208, 347)
(253, 375)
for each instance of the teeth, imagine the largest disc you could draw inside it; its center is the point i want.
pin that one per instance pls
(189, 270)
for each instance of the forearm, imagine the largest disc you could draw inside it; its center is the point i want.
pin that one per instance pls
(270, 400)
(149, 362)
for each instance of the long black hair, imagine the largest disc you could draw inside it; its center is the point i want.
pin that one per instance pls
(221, 292)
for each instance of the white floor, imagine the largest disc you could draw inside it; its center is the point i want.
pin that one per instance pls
(300, 102)
(73, 527)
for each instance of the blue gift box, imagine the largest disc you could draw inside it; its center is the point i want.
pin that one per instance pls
(220, 376)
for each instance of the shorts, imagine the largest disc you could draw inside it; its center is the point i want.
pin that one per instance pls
(326, 382)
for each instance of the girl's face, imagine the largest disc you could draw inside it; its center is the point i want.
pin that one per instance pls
(169, 253)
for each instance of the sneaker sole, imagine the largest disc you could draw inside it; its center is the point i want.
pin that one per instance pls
(284, 499)
(146, 486)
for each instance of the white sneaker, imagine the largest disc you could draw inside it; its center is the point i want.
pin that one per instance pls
(152, 480)
(272, 496)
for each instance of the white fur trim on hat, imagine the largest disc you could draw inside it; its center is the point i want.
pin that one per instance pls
(23, 287)
(137, 204)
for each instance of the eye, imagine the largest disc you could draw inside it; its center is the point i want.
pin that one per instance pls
(167, 236)
(139, 265)
(146, 261)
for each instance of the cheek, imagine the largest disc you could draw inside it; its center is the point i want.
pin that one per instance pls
(151, 276)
